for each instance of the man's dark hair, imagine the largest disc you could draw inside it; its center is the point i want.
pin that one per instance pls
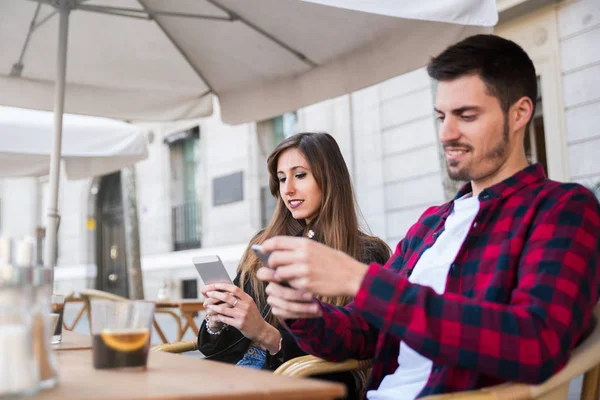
(503, 65)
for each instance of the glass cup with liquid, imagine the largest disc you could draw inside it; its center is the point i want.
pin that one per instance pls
(121, 333)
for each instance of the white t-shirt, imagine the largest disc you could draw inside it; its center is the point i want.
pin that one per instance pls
(431, 270)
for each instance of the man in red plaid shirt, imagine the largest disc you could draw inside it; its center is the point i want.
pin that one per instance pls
(497, 285)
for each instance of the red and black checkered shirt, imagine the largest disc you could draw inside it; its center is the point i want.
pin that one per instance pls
(518, 296)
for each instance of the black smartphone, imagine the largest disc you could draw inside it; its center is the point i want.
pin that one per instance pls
(264, 258)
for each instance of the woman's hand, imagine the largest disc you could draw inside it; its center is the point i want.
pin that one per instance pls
(239, 310)
(213, 324)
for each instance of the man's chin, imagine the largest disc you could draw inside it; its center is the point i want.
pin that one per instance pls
(458, 174)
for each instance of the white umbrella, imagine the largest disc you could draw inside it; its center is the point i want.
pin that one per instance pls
(159, 60)
(91, 146)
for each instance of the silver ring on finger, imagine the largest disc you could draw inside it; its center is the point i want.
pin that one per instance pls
(235, 302)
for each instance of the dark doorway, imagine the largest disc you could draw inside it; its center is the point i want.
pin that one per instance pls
(189, 289)
(110, 236)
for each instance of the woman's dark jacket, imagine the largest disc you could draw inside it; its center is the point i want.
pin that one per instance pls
(230, 345)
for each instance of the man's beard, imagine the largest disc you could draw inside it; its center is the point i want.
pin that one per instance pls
(497, 153)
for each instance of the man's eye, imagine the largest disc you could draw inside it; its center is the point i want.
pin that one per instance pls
(440, 118)
(468, 117)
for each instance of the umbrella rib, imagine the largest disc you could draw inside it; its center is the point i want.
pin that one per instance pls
(17, 67)
(45, 19)
(148, 13)
(118, 14)
(52, 14)
(279, 42)
(183, 53)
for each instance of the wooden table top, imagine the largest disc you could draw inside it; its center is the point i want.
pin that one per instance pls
(73, 341)
(177, 377)
(191, 304)
(183, 304)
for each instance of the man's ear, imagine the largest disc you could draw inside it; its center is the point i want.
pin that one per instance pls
(520, 113)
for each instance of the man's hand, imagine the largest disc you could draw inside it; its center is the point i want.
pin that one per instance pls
(312, 267)
(288, 303)
(309, 267)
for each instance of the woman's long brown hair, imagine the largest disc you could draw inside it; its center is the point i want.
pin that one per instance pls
(336, 224)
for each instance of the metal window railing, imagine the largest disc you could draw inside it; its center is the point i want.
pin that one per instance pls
(186, 226)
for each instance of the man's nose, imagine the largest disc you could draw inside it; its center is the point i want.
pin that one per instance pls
(448, 130)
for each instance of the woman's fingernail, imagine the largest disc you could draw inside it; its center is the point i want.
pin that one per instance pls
(314, 308)
(209, 307)
(307, 296)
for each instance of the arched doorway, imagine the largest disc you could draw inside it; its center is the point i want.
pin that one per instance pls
(110, 237)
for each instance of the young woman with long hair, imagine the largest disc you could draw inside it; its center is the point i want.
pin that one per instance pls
(315, 199)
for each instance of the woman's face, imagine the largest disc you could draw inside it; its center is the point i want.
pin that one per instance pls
(297, 185)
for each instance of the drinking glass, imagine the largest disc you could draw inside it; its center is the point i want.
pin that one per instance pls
(121, 333)
(19, 373)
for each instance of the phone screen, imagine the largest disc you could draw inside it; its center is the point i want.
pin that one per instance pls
(211, 269)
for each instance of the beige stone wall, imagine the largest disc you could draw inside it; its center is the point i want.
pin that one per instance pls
(579, 30)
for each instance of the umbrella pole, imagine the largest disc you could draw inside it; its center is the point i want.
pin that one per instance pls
(59, 103)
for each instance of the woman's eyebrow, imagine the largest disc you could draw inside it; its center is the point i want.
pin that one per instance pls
(293, 169)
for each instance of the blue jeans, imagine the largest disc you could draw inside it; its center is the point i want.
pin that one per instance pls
(253, 358)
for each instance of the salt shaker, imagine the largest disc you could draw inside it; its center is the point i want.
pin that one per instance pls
(18, 368)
